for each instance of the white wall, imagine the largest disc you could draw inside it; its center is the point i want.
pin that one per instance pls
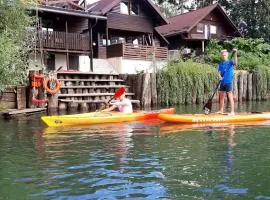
(126, 66)
(60, 60)
(116, 63)
(84, 63)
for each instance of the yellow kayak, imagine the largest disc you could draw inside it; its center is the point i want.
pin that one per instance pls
(101, 117)
(214, 118)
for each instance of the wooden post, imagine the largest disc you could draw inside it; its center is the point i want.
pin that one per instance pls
(154, 89)
(240, 86)
(83, 107)
(245, 82)
(203, 46)
(235, 88)
(107, 36)
(62, 106)
(146, 91)
(254, 91)
(73, 106)
(52, 102)
(21, 97)
(90, 28)
(249, 86)
(32, 91)
(139, 88)
(66, 36)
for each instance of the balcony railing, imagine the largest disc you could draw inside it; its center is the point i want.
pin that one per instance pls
(63, 41)
(138, 52)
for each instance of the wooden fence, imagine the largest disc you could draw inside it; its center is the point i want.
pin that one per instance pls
(14, 97)
(137, 52)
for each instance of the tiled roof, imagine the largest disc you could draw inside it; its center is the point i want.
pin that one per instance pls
(103, 6)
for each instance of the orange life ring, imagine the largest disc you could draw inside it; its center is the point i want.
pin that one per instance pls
(47, 87)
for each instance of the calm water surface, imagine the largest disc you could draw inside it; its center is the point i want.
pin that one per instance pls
(138, 160)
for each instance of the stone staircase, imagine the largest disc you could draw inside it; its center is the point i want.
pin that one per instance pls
(89, 90)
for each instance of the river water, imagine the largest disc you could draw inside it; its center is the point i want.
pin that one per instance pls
(138, 160)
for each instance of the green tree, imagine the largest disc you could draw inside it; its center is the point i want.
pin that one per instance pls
(14, 42)
(173, 7)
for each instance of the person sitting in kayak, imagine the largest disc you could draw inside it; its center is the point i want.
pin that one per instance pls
(225, 70)
(124, 105)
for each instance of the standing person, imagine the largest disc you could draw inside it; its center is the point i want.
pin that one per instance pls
(124, 105)
(225, 72)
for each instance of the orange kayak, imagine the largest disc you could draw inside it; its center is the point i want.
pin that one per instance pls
(214, 118)
(101, 117)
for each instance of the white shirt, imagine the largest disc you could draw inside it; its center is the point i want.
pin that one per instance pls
(126, 108)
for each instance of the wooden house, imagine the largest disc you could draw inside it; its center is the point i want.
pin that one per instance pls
(194, 28)
(107, 35)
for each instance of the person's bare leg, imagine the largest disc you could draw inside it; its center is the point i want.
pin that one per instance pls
(231, 100)
(221, 102)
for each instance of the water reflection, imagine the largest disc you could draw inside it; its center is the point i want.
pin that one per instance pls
(138, 160)
(226, 138)
(107, 163)
(211, 165)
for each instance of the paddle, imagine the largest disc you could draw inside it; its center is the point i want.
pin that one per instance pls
(117, 94)
(208, 106)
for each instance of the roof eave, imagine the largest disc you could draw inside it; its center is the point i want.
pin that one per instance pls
(67, 12)
(162, 36)
(158, 11)
(202, 17)
(231, 22)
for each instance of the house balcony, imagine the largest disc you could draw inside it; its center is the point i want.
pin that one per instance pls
(62, 42)
(137, 52)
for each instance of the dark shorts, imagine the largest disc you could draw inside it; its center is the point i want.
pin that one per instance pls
(226, 87)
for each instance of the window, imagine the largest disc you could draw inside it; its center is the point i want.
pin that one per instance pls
(129, 8)
(200, 28)
(102, 40)
(51, 62)
(124, 8)
(73, 62)
(213, 29)
(134, 9)
(122, 40)
(47, 29)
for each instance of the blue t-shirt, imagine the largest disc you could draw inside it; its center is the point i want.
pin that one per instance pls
(225, 69)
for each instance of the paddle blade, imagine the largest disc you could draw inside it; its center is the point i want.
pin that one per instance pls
(119, 92)
(208, 107)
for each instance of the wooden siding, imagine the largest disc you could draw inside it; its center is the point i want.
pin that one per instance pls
(116, 50)
(77, 25)
(58, 23)
(62, 40)
(102, 52)
(129, 23)
(137, 52)
(212, 19)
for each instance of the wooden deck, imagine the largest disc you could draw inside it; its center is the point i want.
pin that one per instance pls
(27, 111)
(137, 52)
(55, 40)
